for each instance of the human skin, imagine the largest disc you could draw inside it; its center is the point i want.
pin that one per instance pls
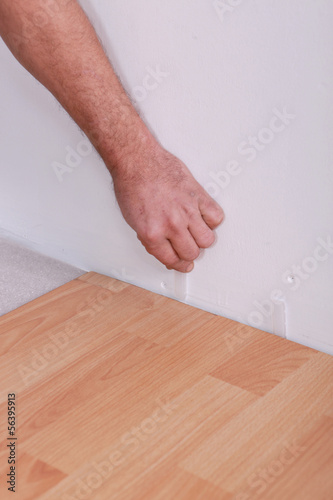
(172, 215)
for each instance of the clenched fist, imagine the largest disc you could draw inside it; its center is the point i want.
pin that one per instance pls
(172, 214)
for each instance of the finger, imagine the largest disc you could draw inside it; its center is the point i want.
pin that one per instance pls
(165, 253)
(211, 212)
(185, 245)
(201, 233)
(184, 269)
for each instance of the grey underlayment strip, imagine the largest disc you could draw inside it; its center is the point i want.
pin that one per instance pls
(26, 275)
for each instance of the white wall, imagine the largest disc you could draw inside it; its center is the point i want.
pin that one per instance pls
(227, 74)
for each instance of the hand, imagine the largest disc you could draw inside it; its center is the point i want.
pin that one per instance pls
(172, 214)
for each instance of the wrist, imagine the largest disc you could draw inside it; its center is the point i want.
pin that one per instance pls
(130, 149)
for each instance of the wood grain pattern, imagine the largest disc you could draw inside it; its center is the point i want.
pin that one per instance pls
(126, 394)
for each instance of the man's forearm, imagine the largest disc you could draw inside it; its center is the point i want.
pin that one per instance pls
(171, 213)
(56, 43)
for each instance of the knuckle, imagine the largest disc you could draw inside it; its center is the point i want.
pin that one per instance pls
(193, 254)
(197, 253)
(207, 239)
(171, 262)
(174, 223)
(152, 236)
(191, 211)
(217, 214)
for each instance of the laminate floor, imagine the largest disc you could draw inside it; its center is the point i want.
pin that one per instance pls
(124, 394)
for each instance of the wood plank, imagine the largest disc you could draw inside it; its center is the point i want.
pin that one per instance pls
(126, 394)
(264, 364)
(36, 477)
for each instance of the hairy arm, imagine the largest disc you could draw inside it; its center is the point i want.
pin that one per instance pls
(159, 198)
